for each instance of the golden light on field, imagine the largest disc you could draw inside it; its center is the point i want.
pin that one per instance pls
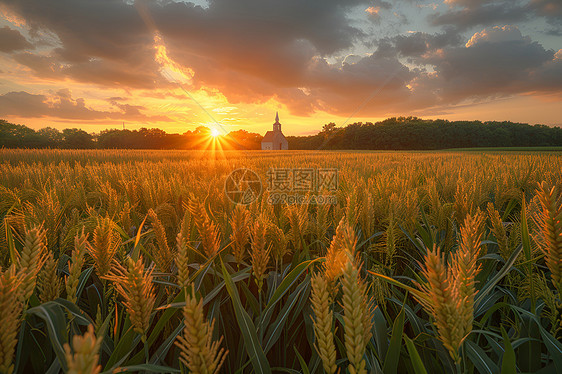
(151, 224)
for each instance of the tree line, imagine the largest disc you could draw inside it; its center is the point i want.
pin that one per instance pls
(404, 133)
(20, 136)
(400, 133)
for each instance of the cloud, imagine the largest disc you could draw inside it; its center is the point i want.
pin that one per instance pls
(464, 14)
(113, 42)
(549, 77)
(481, 13)
(253, 51)
(22, 104)
(60, 104)
(418, 43)
(495, 61)
(550, 9)
(497, 34)
(95, 71)
(12, 40)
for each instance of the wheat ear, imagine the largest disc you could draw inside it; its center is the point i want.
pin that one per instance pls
(162, 254)
(240, 223)
(135, 286)
(85, 358)
(323, 317)
(198, 351)
(440, 302)
(182, 261)
(259, 251)
(356, 305)
(357, 318)
(336, 256)
(75, 266)
(550, 223)
(208, 230)
(105, 244)
(465, 268)
(48, 283)
(31, 260)
(10, 317)
(499, 231)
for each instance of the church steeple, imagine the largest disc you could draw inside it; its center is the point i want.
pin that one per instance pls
(277, 125)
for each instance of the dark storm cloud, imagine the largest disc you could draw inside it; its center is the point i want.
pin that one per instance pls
(97, 71)
(376, 80)
(109, 38)
(103, 42)
(465, 14)
(495, 61)
(61, 104)
(419, 43)
(482, 14)
(12, 40)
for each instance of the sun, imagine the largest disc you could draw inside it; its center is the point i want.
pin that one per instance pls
(215, 132)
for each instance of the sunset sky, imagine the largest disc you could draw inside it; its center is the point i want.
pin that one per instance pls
(176, 65)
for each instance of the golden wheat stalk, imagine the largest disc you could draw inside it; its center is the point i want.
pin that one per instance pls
(499, 231)
(441, 303)
(198, 351)
(259, 251)
(357, 317)
(10, 316)
(355, 301)
(321, 301)
(353, 208)
(182, 261)
(298, 219)
(31, 260)
(48, 283)
(336, 256)
(208, 230)
(135, 286)
(75, 266)
(278, 240)
(239, 223)
(549, 221)
(322, 223)
(367, 215)
(380, 287)
(465, 269)
(104, 246)
(162, 254)
(85, 358)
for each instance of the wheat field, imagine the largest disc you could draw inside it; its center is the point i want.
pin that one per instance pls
(139, 261)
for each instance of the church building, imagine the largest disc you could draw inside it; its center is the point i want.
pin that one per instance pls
(274, 140)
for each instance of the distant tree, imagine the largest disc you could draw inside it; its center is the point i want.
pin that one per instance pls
(329, 128)
(76, 138)
(242, 139)
(50, 137)
(12, 136)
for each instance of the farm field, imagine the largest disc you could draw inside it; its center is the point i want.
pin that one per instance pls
(175, 261)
